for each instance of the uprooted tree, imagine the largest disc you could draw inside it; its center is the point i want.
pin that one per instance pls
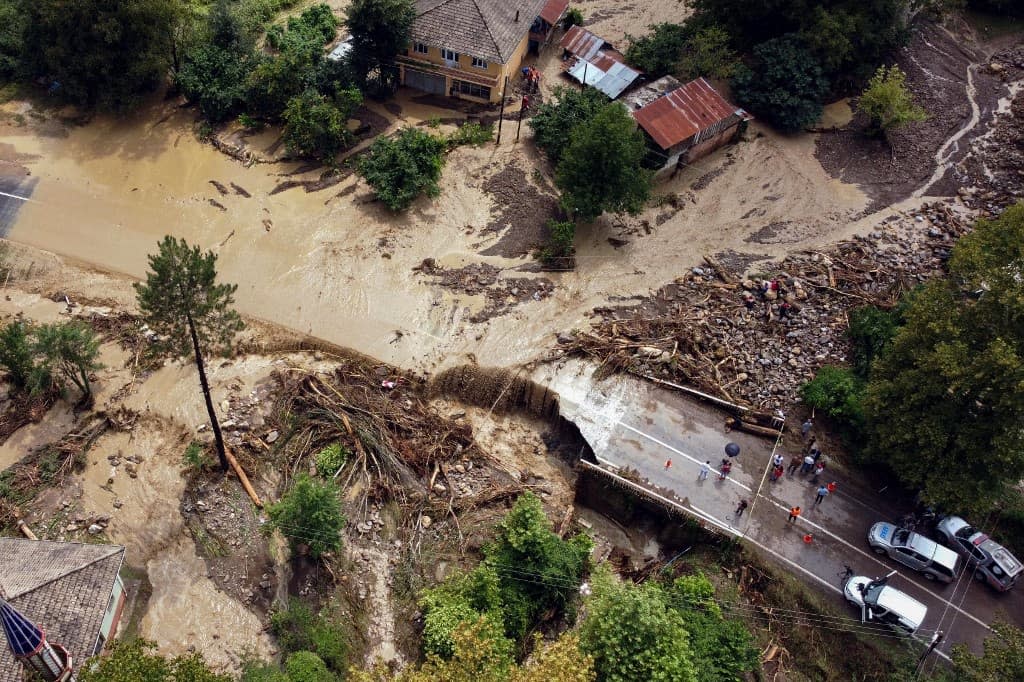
(190, 312)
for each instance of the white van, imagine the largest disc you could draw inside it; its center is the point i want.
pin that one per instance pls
(880, 603)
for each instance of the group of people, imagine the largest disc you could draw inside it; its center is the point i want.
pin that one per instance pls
(769, 291)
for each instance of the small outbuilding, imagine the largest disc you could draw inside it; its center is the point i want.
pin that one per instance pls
(684, 123)
(591, 60)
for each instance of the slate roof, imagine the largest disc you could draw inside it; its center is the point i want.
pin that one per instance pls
(480, 28)
(63, 587)
(685, 111)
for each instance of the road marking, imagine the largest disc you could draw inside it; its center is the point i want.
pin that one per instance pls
(824, 530)
(15, 196)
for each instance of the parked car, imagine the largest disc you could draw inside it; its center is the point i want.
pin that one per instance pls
(992, 563)
(880, 603)
(914, 550)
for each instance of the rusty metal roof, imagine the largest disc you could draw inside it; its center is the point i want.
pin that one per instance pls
(582, 43)
(554, 10)
(685, 111)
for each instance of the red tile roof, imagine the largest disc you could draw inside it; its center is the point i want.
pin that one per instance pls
(684, 112)
(554, 10)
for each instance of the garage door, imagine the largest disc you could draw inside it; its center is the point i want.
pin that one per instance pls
(428, 82)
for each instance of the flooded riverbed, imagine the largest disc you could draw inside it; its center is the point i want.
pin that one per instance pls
(338, 266)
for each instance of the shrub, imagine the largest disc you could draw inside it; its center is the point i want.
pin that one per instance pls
(657, 53)
(871, 331)
(317, 127)
(196, 457)
(309, 515)
(331, 458)
(305, 666)
(574, 17)
(297, 628)
(16, 354)
(559, 249)
(887, 101)
(471, 134)
(838, 392)
(401, 168)
(785, 87)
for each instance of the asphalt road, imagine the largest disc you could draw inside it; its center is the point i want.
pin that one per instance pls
(631, 424)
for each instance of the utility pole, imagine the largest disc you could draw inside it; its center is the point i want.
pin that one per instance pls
(522, 110)
(935, 641)
(501, 114)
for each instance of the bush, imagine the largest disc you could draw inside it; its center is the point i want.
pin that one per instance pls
(309, 515)
(16, 354)
(574, 17)
(471, 134)
(657, 53)
(838, 392)
(196, 457)
(317, 24)
(871, 331)
(401, 168)
(785, 87)
(297, 628)
(887, 101)
(317, 127)
(305, 666)
(331, 458)
(559, 249)
(554, 121)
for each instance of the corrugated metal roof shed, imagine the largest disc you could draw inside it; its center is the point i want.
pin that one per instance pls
(684, 112)
(554, 10)
(582, 43)
(612, 80)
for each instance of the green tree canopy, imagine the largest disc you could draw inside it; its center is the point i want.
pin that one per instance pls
(214, 70)
(1003, 658)
(785, 85)
(316, 126)
(68, 352)
(309, 515)
(946, 401)
(380, 31)
(555, 119)
(102, 53)
(192, 314)
(632, 634)
(136, 660)
(887, 101)
(401, 168)
(600, 169)
(657, 53)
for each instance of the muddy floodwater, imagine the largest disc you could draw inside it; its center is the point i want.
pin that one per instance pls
(338, 266)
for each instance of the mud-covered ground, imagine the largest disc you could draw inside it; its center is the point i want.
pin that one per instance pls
(936, 61)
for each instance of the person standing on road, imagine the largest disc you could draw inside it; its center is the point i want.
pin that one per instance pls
(741, 507)
(806, 427)
(705, 468)
(822, 492)
(831, 487)
(811, 445)
(806, 466)
(793, 514)
(777, 460)
(818, 468)
(723, 472)
(777, 473)
(794, 463)
(668, 464)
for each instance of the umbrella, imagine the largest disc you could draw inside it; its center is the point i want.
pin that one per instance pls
(732, 449)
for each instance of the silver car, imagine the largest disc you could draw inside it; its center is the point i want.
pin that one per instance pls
(883, 604)
(992, 562)
(933, 560)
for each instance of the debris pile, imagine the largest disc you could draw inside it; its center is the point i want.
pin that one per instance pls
(716, 330)
(501, 293)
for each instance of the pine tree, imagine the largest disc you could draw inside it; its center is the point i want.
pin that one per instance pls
(192, 314)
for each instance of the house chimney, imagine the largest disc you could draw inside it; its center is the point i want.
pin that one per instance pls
(517, 15)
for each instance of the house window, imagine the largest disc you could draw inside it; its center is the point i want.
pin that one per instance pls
(450, 55)
(471, 89)
(420, 47)
(479, 63)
